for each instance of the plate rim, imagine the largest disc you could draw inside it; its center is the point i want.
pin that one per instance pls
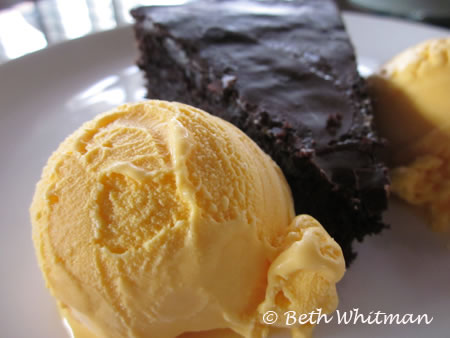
(346, 15)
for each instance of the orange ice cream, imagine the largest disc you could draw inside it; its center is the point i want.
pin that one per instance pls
(412, 94)
(159, 220)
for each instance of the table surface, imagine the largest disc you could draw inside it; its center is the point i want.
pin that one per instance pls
(28, 26)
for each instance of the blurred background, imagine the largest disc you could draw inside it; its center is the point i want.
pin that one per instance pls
(27, 26)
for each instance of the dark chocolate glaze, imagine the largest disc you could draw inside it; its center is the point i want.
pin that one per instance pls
(285, 73)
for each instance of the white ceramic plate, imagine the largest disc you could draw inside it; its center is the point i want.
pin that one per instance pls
(47, 95)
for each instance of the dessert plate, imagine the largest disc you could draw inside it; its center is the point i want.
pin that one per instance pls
(46, 95)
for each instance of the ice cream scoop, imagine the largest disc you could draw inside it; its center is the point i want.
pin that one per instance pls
(158, 219)
(412, 93)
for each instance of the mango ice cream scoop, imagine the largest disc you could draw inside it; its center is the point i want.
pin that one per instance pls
(412, 93)
(159, 220)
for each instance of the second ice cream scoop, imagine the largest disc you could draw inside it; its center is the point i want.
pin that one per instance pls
(412, 94)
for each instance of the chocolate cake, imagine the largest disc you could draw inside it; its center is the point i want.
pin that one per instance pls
(285, 73)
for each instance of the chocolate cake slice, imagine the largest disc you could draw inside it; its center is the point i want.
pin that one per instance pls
(285, 73)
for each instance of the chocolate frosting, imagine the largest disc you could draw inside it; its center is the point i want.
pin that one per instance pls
(285, 73)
